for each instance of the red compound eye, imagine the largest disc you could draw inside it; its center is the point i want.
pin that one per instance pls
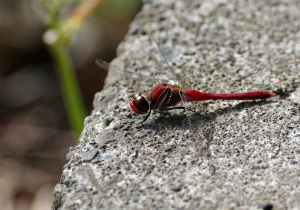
(139, 104)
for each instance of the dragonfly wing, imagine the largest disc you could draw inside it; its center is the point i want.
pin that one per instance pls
(115, 72)
(102, 64)
(169, 52)
(108, 66)
(180, 83)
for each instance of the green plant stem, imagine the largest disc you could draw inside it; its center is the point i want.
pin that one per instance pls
(69, 86)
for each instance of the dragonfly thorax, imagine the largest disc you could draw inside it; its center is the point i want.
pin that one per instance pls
(139, 104)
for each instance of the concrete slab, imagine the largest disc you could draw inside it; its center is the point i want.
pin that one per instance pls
(235, 155)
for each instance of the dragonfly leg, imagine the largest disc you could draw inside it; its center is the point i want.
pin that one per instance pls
(146, 117)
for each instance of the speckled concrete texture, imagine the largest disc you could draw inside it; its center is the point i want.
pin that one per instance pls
(233, 154)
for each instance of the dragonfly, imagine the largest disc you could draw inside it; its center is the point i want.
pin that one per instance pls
(165, 96)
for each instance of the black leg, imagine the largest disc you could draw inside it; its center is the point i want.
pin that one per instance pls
(146, 117)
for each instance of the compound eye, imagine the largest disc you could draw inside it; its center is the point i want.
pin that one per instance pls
(139, 104)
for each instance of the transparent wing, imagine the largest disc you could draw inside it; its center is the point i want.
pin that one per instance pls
(105, 65)
(175, 76)
(181, 83)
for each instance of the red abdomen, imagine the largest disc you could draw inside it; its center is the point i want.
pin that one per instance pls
(194, 95)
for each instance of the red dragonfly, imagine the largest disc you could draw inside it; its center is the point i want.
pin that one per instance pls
(165, 95)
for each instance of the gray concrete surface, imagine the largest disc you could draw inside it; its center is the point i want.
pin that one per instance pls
(235, 155)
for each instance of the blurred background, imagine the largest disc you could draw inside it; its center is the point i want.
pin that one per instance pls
(35, 135)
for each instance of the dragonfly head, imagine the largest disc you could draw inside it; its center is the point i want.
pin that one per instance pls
(139, 104)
